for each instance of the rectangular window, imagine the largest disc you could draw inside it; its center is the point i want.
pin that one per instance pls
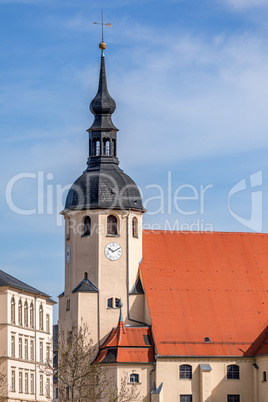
(13, 381)
(186, 398)
(26, 389)
(12, 345)
(20, 348)
(48, 388)
(41, 351)
(48, 353)
(26, 349)
(47, 324)
(233, 398)
(32, 350)
(32, 383)
(68, 304)
(57, 393)
(41, 385)
(20, 382)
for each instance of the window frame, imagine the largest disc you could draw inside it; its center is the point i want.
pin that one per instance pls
(20, 382)
(233, 372)
(136, 378)
(26, 321)
(31, 315)
(20, 312)
(233, 398)
(185, 372)
(86, 226)
(13, 310)
(112, 224)
(184, 397)
(13, 347)
(135, 227)
(41, 317)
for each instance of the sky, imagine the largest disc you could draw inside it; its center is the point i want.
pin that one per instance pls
(190, 80)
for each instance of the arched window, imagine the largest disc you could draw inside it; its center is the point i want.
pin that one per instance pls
(106, 147)
(12, 310)
(87, 226)
(26, 314)
(114, 148)
(110, 302)
(85, 275)
(112, 225)
(20, 313)
(185, 371)
(41, 317)
(97, 144)
(135, 232)
(232, 372)
(264, 376)
(134, 378)
(31, 315)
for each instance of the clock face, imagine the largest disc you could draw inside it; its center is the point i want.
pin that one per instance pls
(68, 255)
(113, 251)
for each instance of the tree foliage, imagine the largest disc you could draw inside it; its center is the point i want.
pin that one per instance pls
(79, 377)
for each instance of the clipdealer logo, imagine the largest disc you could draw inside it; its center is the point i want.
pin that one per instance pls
(255, 220)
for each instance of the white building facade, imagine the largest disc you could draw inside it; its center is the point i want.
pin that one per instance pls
(26, 319)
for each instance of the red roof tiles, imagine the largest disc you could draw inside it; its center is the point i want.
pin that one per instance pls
(127, 344)
(212, 285)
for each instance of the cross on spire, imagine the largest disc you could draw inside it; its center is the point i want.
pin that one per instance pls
(102, 25)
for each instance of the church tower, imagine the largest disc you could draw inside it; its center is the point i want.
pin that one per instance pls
(103, 232)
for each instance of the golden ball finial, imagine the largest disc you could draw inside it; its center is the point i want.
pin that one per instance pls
(102, 45)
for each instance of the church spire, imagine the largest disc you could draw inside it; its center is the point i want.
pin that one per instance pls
(103, 105)
(102, 133)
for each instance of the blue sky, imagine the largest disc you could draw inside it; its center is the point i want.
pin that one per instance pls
(190, 82)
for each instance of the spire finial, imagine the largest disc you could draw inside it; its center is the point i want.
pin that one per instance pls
(102, 45)
(120, 316)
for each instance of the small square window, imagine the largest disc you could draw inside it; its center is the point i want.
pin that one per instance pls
(186, 398)
(233, 398)
(134, 378)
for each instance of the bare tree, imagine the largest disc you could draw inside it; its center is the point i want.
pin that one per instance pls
(79, 377)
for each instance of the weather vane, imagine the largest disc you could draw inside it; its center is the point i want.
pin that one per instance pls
(102, 25)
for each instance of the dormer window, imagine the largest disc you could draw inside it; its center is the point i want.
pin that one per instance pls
(112, 225)
(87, 226)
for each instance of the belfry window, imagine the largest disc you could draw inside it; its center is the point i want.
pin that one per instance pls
(185, 371)
(13, 310)
(114, 148)
(112, 225)
(135, 227)
(232, 372)
(264, 376)
(87, 226)
(96, 147)
(106, 147)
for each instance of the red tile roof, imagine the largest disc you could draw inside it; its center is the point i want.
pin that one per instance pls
(127, 344)
(211, 285)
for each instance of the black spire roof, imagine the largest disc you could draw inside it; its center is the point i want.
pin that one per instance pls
(103, 184)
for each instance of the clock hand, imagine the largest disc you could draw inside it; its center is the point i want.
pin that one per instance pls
(116, 249)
